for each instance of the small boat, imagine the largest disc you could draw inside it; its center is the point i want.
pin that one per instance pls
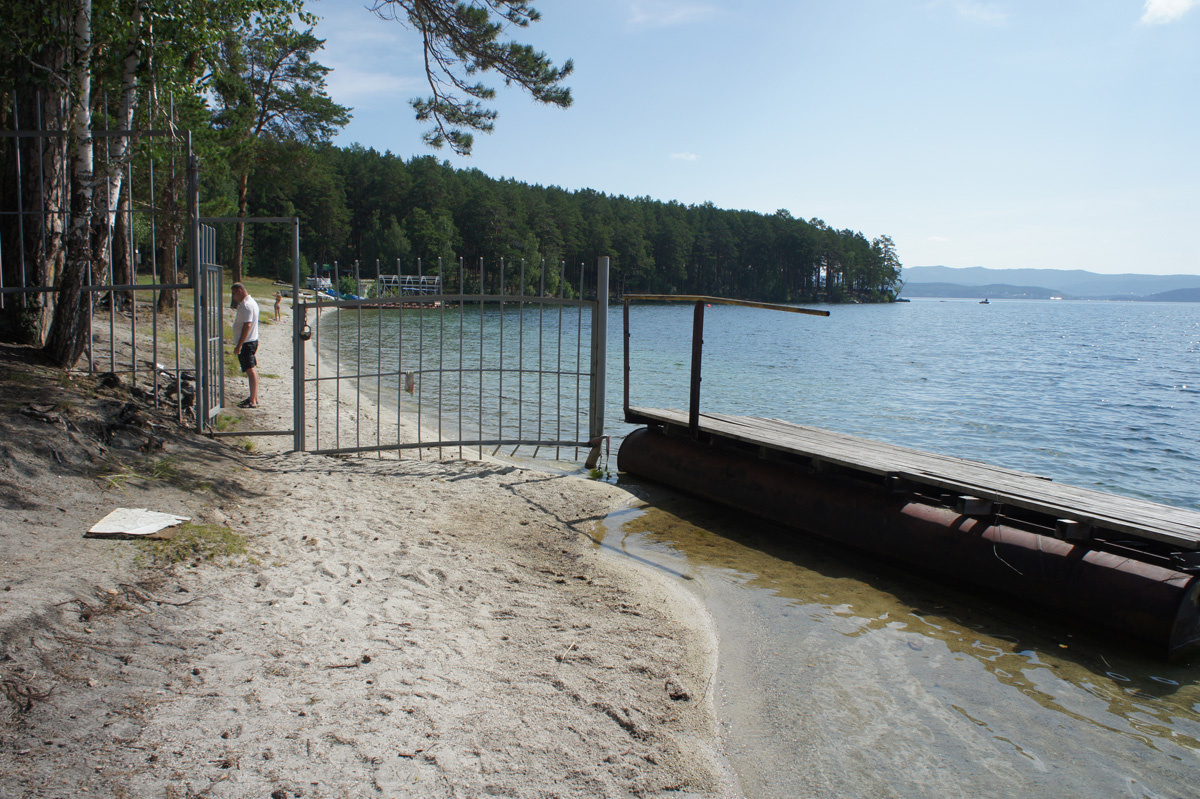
(985, 301)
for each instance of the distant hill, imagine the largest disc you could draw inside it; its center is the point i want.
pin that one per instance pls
(1060, 282)
(1178, 295)
(1000, 291)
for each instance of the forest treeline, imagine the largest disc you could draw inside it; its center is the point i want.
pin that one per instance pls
(359, 205)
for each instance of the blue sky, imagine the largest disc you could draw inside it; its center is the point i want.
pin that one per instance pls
(1059, 134)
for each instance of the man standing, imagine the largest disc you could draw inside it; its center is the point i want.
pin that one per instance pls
(245, 330)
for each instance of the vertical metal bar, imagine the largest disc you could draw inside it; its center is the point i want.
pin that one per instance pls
(541, 352)
(155, 295)
(697, 351)
(199, 322)
(298, 318)
(337, 370)
(217, 306)
(420, 363)
(379, 363)
(358, 312)
(132, 252)
(399, 360)
(2, 270)
(625, 340)
(600, 353)
(462, 307)
(41, 148)
(316, 339)
(441, 359)
(134, 294)
(579, 356)
(562, 283)
(482, 293)
(520, 359)
(21, 197)
(112, 306)
(500, 367)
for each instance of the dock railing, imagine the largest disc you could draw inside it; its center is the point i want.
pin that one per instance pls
(701, 302)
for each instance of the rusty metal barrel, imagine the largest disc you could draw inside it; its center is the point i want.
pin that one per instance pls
(1157, 606)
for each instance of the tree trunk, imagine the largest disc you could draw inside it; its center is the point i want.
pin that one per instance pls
(169, 269)
(122, 254)
(239, 237)
(172, 224)
(72, 312)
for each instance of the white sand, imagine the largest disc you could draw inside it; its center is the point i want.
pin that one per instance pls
(402, 628)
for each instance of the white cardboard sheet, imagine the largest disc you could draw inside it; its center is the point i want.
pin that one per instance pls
(133, 523)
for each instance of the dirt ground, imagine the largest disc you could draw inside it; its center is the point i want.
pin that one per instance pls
(324, 627)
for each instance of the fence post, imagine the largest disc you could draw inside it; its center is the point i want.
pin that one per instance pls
(298, 321)
(199, 324)
(599, 359)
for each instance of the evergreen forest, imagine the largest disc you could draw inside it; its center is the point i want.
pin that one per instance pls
(358, 205)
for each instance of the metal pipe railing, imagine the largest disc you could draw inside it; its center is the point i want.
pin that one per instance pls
(697, 341)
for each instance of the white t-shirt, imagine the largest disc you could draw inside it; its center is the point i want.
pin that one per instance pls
(246, 312)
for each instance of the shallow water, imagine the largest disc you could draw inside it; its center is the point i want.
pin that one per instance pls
(842, 676)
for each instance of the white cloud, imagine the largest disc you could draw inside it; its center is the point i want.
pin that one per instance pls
(938, 239)
(371, 59)
(980, 12)
(1160, 12)
(350, 85)
(684, 157)
(667, 13)
(975, 11)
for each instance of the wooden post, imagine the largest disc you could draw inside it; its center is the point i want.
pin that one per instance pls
(697, 351)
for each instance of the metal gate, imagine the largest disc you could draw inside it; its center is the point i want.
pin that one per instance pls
(504, 359)
(209, 327)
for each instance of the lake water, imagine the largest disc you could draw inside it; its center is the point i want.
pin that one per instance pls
(842, 676)
(1103, 395)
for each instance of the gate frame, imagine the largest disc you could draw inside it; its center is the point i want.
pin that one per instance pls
(597, 372)
(203, 296)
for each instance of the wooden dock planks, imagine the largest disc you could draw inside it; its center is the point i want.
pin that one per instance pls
(1177, 527)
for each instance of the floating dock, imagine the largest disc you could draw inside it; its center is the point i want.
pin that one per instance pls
(1124, 564)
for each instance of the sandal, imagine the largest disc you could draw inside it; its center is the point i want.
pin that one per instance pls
(246, 403)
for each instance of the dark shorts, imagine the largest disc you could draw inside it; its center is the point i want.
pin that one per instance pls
(246, 355)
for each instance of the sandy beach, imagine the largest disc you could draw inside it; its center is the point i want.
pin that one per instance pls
(393, 628)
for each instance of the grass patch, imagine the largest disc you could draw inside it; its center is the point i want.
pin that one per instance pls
(226, 422)
(20, 377)
(197, 543)
(165, 469)
(232, 367)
